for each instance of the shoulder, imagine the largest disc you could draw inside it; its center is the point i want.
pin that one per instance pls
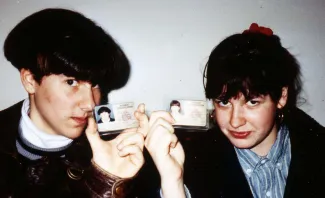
(209, 156)
(301, 122)
(305, 132)
(9, 122)
(11, 112)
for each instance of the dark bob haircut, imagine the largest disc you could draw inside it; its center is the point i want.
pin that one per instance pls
(253, 64)
(60, 41)
(175, 103)
(103, 109)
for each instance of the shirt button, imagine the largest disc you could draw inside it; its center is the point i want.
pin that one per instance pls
(268, 193)
(278, 164)
(263, 161)
(248, 171)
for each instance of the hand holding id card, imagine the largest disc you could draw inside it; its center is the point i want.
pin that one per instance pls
(114, 118)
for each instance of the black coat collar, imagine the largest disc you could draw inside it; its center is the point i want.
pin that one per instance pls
(78, 153)
(213, 170)
(9, 123)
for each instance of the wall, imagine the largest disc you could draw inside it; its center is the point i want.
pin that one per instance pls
(168, 42)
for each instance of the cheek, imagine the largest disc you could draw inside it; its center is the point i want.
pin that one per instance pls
(262, 118)
(58, 101)
(221, 118)
(46, 97)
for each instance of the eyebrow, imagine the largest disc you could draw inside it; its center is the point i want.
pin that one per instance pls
(255, 96)
(248, 98)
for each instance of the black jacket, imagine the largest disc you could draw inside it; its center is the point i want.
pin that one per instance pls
(51, 176)
(213, 170)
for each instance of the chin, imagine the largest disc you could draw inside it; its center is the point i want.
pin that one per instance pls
(73, 134)
(241, 144)
(243, 147)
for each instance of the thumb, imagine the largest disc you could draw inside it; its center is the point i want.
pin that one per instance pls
(142, 119)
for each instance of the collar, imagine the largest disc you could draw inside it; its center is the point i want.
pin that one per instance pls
(37, 137)
(251, 161)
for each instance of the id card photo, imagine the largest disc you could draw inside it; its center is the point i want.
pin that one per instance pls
(115, 117)
(189, 112)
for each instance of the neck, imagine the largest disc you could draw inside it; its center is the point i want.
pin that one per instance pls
(35, 135)
(37, 118)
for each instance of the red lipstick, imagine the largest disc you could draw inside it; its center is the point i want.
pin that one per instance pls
(80, 120)
(240, 135)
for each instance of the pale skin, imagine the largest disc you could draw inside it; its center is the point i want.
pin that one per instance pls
(105, 117)
(256, 117)
(123, 155)
(62, 105)
(167, 154)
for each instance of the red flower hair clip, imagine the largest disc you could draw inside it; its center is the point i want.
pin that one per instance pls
(254, 28)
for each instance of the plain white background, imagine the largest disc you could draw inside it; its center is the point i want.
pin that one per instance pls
(168, 42)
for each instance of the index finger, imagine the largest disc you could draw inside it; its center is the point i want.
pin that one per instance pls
(160, 114)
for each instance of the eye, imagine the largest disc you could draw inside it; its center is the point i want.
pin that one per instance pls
(253, 103)
(72, 82)
(222, 103)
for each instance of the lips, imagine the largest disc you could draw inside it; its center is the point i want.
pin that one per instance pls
(240, 135)
(80, 120)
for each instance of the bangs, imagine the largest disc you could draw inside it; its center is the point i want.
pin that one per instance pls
(79, 68)
(240, 77)
(235, 87)
(251, 64)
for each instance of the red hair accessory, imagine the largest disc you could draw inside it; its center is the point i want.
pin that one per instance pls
(254, 28)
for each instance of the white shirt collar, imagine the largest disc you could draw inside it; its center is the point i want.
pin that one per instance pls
(37, 137)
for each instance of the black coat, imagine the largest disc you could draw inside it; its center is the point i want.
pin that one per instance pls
(50, 176)
(213, 170)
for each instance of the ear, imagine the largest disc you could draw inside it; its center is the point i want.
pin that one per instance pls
(283, 99)
(28, 81)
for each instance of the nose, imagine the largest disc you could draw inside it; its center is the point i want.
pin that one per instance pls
(237, 118)
(87, 98)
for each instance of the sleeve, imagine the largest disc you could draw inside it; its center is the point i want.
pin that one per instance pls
(102, 184)
(187, 192)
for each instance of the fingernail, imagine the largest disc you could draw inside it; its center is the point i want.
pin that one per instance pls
(173, 121)
(119, 146)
